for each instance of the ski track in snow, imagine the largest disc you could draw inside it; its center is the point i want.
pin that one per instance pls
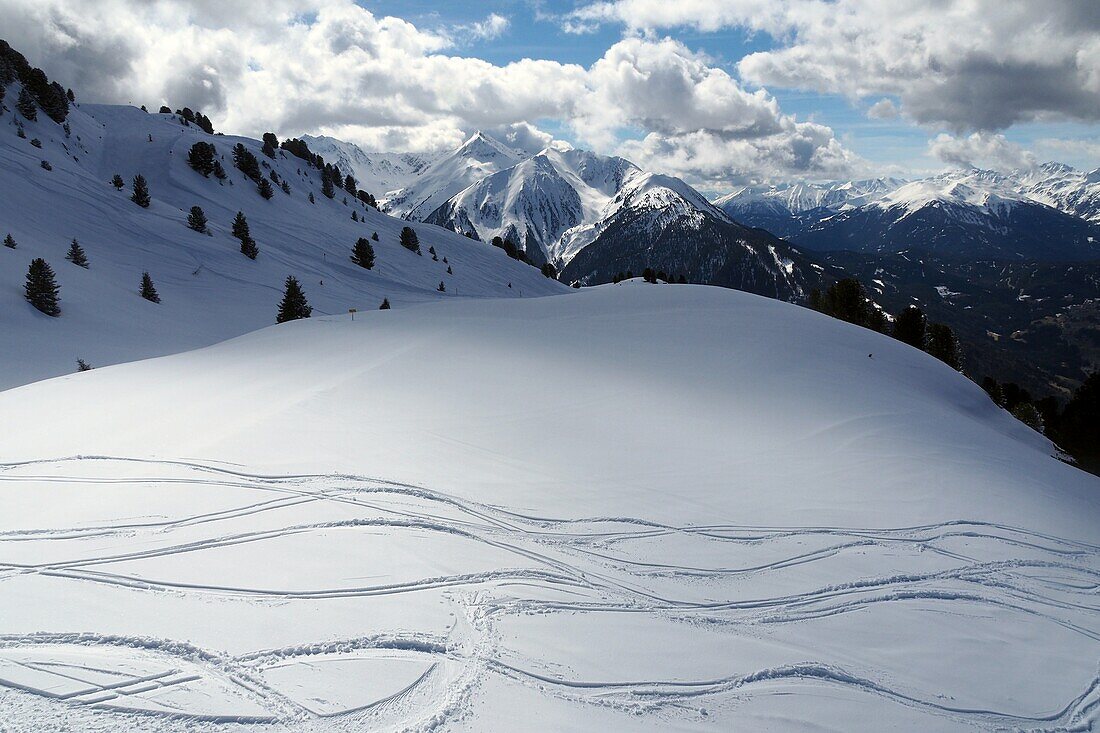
(587, 569)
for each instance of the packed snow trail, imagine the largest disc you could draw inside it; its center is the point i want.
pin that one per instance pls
(636, 508)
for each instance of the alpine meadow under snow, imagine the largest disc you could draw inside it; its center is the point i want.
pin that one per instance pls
(633, 508)
(296, 437)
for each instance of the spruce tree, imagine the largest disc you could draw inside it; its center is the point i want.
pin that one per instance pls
(76, 255)
(374, 236)
(249, 248)
(9, 241)
(409, 240)
(943, 345)
(83, 366)
(385, 304)
(910, 327)
(354, 215)
(240, 227)
(197, 219)
(219, 171)
(201, 158)
(442, 288)
(117, 182)
(265, 188)
(41, 289)
(349, 184)
(449, 270)
(311, 199)
(26, 106)
(362, 253)
(148, 290)
(326, 184)
(294, 304)
(285, 186)
(141, 192)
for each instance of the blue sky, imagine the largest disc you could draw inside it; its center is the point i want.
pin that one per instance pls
(890, 145)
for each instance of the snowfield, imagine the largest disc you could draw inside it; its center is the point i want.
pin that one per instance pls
(209, 291)
(637, 508)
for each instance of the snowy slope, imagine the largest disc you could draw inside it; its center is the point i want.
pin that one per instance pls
(475, 159)
(1063, 187)
(378, 173)
(209, 290)
(538, 202)
(639, 508)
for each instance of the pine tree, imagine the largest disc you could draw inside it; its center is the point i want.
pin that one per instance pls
(311, 199)
(326, 184)
(374, 236)
(265, 188)
(201, 158)
(240, 227)
(910, 327)
(249, 248)
(141, 192)
(26, 106)
(83, 366)
(943, 345)
(219, 171)
(148, 290)
(442, 288)
(362, 253)
(117, 182)
(197, 219)
(385, 304)
(9, 241)
(354, 216)
(449, 270)
(349, 184)
(76, 255)
(285, 186)
(409, 240)
(41, 289)
(294, 304)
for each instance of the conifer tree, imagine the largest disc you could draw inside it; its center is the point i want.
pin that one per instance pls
(83, 366)
(326, 184)
(26, 106)
(910, 327)
(385, 304)
(265, 188)
(311, 199)
(409, 240)
(449, 270)
(354, 215)
(9, 241)
(219, 171)
(943, 344)
(374, 236)
(141, 192)
(148, 290)
(249, 248)
(442, 288)
(201, 158)
(240, 227)
(76, 255)
(548, 270)
(117, 182)
(285, 186)
(362, 253)
(349, 184)
(41, 289)
(294, 304)
(197, 219)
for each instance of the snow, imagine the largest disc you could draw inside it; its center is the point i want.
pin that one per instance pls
(209, 291)
(640, 507)
(377, 173)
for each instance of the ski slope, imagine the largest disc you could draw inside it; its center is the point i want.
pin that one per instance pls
(637, 508)
(209, 291)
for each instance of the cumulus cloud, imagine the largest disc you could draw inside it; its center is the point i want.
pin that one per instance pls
(980, 150)
(969, 64)
(494, 26)
(333, 67)
(883, 109)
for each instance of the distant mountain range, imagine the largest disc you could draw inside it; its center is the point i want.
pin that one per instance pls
(1050, 213)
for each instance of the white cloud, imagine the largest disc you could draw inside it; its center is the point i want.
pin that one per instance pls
(883, 109)
(971, 64)
(981, 150)
(494, 26)
(333, 67)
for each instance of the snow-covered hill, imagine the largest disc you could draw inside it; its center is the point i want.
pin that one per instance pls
(639, 508)
(1064, 188)
(209, 290)
(377, 173)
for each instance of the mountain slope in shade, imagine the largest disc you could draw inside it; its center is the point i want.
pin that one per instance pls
(662, 223)
(478, 157)
(377, 173)
(743, 523)
(209, 291)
